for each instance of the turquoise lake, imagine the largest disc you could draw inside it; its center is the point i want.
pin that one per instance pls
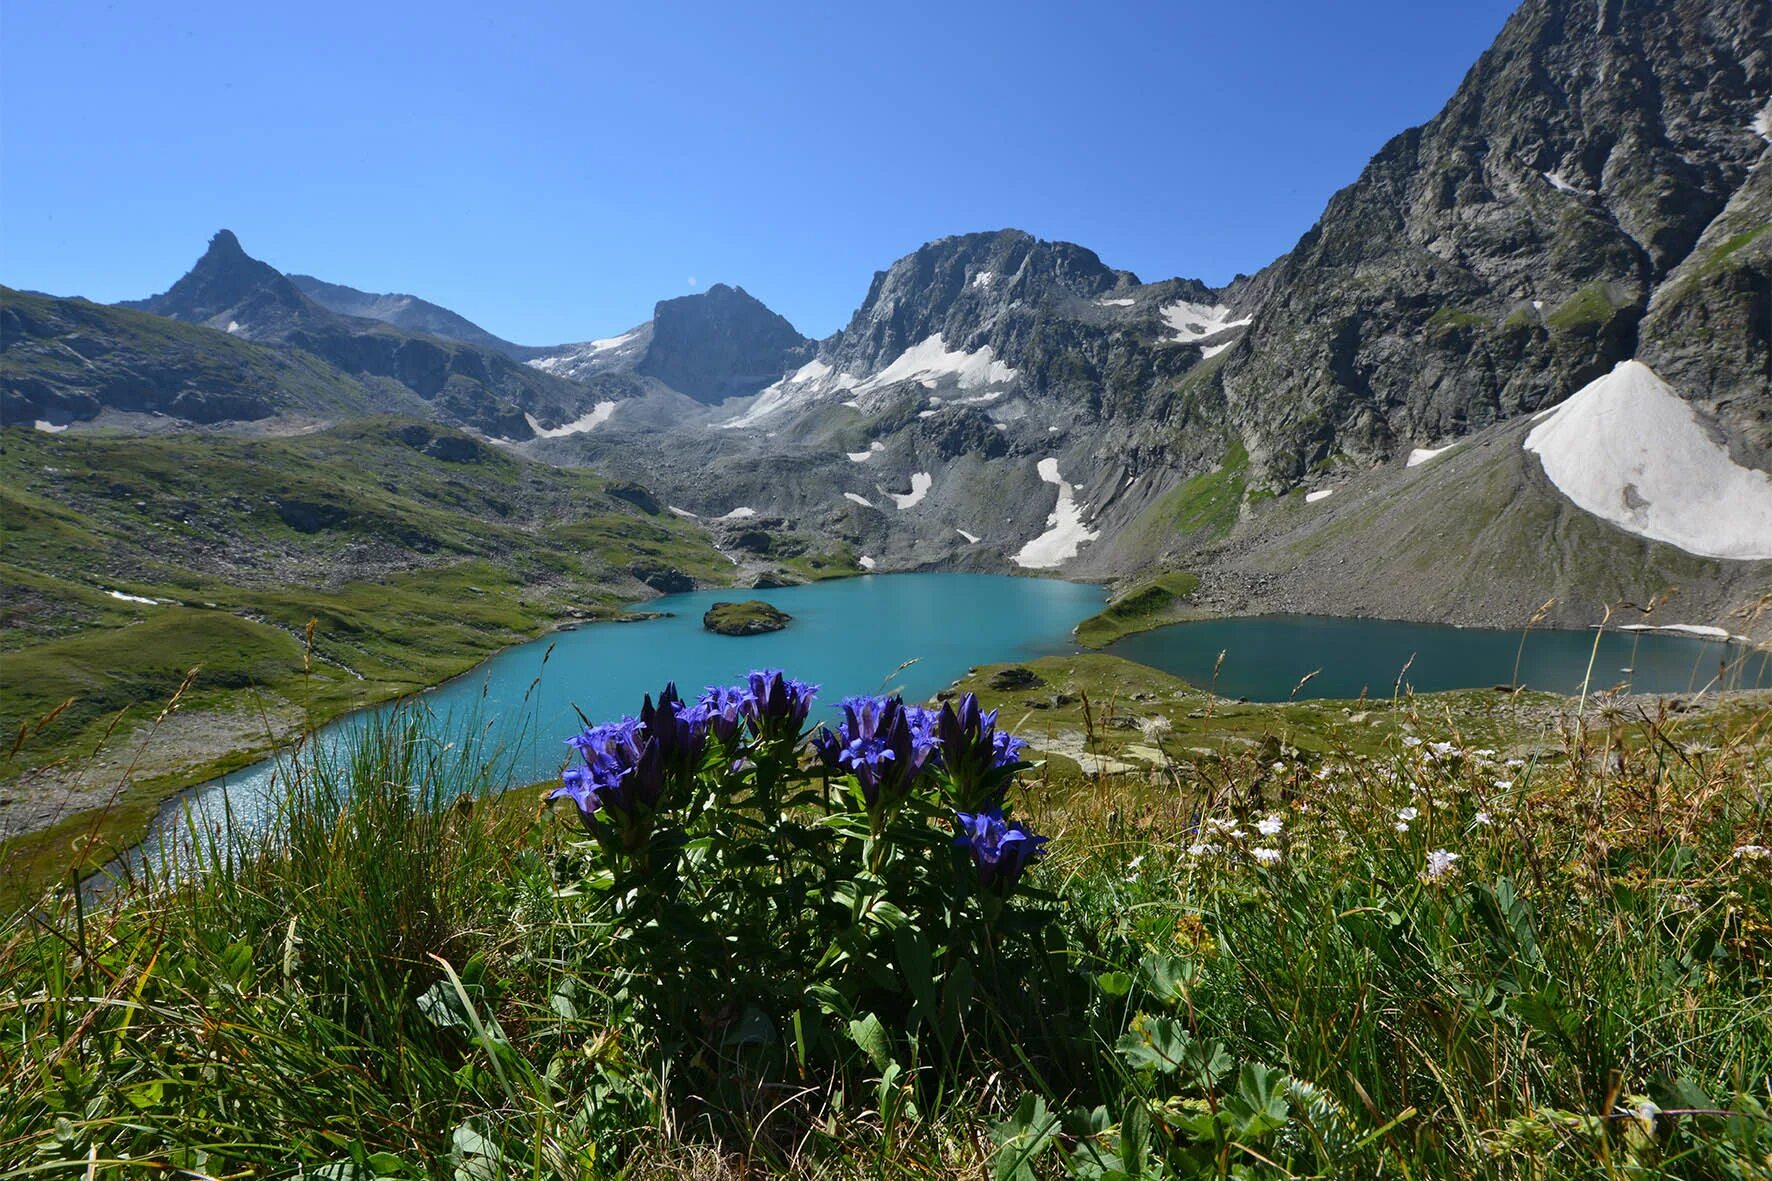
(917, 633)
(914, 633)
(1267, 655)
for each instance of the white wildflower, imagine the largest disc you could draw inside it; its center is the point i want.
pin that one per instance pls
(1265, 856)
(1156, 729)
(1279, 768)
(1236, 834)
(1441, 748)
(1220, 825)
(1439, 864)
(1753, 853)
(1204, 849)
(1483, 818)
(1504, 785)
(1402, 826)
(1408, 814)
(1411, 740)
(1135, 862)
(1270, 825)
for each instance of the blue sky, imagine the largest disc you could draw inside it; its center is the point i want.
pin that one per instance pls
(550, 170)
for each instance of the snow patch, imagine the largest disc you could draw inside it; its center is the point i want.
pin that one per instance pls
(865, 562)
(683, 512)
(874, 448)
(1319, 494)
(1690, 629)
(1421, 455)
(1212, 350)
(740, 513)
(971, 538)
(1065, 528)
(930, 360)
(1196, 321)
(612, 342)
(598, 415)
(1629, 450)
(1115, 303)
(921, 483)
(1762, 122)
(1561, 183)
(233, 326)
(50, 428)
(133, 598)
(984, 279)
(863, 501)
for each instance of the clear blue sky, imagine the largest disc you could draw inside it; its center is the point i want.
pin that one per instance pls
(550, 170)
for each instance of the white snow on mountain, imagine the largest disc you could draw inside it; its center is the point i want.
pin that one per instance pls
(1629, 450)
(1197, 321)
(1421, 455)
(1115, 303)
(740, 513)
(1561, 183)
(863, 501)
(133, 598)
(597, 416)
(50, 428)
(930, 361)
(921, 482)
(804, 385)
(1212, 350)
(971, 538)
(862, 456)
(1319, 494)
(1762, 123)
(865, 562)
(984, 279)
(1065, 530)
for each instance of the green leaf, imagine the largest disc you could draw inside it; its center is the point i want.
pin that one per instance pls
(870, 1035)
(1022, 1139)
(1135, 1137)
(1114, 984)
(1259, 1104)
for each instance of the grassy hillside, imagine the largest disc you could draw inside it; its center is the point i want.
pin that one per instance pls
(413, 551)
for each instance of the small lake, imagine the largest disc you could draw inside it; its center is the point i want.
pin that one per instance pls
(1266, 656)
(915, 633)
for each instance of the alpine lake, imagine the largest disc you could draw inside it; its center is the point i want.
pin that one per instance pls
(918, 633)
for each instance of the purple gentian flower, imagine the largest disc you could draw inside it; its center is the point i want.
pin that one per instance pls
(882, 743)
(725, 711)
(979, 759)
(1001, 849)
(777, 705)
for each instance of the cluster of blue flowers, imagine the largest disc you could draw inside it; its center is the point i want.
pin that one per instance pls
(633, 768)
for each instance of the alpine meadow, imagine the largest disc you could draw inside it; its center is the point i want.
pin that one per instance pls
(1308, 721)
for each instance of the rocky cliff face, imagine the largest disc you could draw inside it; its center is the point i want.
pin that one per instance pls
(1497, 258)
(719, 344)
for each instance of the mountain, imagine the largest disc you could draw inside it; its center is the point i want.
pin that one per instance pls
(716, 344)
(1496, 259)
(68, 360)
(721, 343)
(459, 382)
(408, 312)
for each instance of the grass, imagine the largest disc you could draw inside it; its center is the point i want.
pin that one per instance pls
(1150, 603)
(1534, 950)
(411, 569)
(1585, 311)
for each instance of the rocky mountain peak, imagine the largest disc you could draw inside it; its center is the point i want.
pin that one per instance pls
(720, 343)
(1502, 255)
(229, 289)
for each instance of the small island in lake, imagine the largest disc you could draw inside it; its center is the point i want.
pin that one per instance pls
(750, 618)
